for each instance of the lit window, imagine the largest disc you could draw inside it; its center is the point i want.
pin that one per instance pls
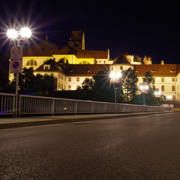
(77, 79)
(69, 79)
(162, 79)
(173, 79)
(69, 87)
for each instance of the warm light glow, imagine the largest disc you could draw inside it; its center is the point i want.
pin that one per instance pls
(12, 34)
(119, 75)
(25, 32)
(169, 97)
(112, 75)
(141, 87)
(157, 93)
(115, 75)
(146, 87)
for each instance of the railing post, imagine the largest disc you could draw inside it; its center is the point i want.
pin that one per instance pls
(19, 106)
(92, 107)
(75, 108)
(105, 108)
(53, 106)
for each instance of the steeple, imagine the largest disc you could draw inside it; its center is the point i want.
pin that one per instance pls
(77, 40)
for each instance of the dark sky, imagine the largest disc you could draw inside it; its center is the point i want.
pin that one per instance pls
(138, 27)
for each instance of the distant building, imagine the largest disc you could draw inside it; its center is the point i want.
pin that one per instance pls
(72, 64)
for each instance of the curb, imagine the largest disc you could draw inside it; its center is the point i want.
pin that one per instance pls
(59, 121)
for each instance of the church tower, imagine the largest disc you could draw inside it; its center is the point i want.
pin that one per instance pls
(77, 40)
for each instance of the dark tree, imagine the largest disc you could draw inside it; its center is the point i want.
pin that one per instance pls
(31, 84)
(129, 81)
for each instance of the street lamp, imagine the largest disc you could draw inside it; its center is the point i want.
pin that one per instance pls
(18, 39)
(157, 93)
(115, 77)
(144, 89)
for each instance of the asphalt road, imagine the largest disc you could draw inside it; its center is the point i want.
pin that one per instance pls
(144, 147)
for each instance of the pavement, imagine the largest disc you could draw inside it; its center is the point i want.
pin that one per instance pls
(45, 120)
(135, 147)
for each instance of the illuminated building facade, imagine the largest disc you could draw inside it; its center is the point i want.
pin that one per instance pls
(72, 64)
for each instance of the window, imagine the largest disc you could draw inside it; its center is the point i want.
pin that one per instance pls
(173, 88)
(69, 79)
(46, 66)
(31, 63)
(104, 62)
(69, 87)
(173, 79)
(121, 68)
(99, 61)
(162, 79)
(162, 88)
(77, 79)
(154, 80)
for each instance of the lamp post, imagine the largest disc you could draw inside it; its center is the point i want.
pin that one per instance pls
(114, 78)
(18, 39)
(144, 89)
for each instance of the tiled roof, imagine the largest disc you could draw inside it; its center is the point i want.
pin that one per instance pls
(54, 67)
(73, 70)
(92, 54)
(85, 69)
(121, 60)
(66, 50)
(43, 49)
(157, 69)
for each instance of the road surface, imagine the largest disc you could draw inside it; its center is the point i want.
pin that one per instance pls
(144, 147)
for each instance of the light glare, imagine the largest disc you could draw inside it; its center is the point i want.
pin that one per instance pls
(25, 32)
(146, 87)
(112, 75)
(119, 75)
(12, 34)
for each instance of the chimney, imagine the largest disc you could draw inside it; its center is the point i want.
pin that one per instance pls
(162, 62)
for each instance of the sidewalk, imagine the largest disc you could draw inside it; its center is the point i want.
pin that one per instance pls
(45, 120)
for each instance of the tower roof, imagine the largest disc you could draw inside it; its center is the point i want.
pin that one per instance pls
(122, 59)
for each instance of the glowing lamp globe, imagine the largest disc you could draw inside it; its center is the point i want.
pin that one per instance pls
(146, 87)
(12, 34)
(112, 75)
(25, 32)
(119, 75)
(141, 87)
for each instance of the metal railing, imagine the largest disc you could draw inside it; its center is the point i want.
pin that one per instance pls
(48, 105)
(7, 104)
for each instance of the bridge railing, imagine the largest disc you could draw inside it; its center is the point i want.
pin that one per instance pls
(24, 105)
(7, 104)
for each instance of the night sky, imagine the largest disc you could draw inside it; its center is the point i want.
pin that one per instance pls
(138, 27)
